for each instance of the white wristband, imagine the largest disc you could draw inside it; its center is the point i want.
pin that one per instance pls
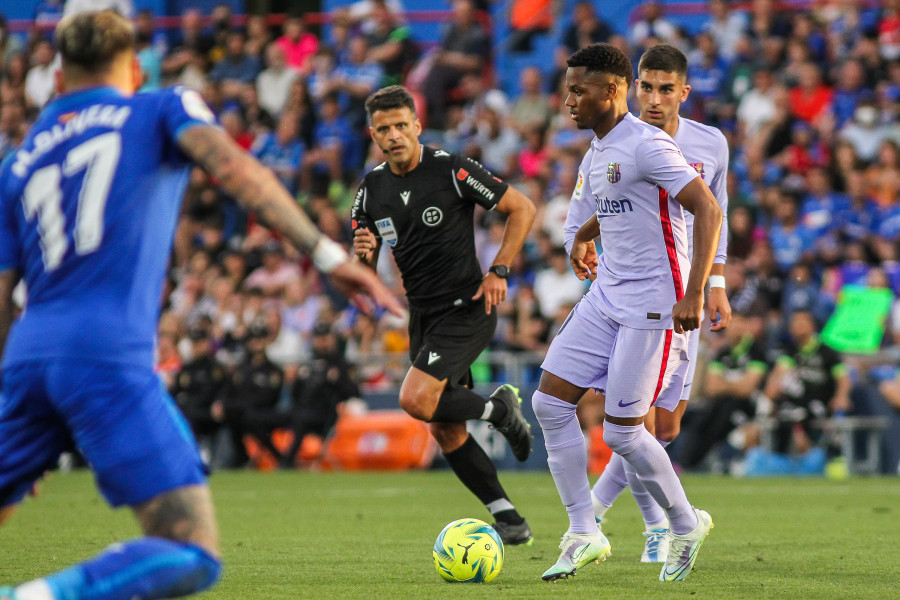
(717, 281)
(328, 255)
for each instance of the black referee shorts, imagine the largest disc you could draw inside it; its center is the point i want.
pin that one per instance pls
(445, 343)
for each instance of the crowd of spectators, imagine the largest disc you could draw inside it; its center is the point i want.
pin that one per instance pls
(809, 101)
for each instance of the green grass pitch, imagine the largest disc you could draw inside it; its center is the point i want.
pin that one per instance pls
(330, 536)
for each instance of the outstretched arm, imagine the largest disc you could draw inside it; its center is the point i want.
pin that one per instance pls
(257, 189)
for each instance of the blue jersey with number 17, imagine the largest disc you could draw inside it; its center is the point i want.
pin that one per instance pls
(88, 207)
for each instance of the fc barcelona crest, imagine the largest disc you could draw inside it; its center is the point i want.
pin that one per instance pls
(613, 174)
(699, 168)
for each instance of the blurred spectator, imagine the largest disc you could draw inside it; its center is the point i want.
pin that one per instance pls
(365, 12)
(789, 239)
(48, 12)
(259, 120)
(188, 60)
(524, 329)
(585, 28)
(889, 31)
(259, 38)
(123, 7)
(652, 26)
(251, 403)
(237, 69)
(40, 83)
(531, 108)
(733, 381)
(822, 205)
(273, 85)
(709, 73)
(352, 81)
(499, 143)
(298, 45)
(150, 49)
(198, 387)
(390, 44)
(557, 285)
(809, 382)
(463, 50)
(849, 91)
(12, 82)
(322, 385)
(335, 146)
(811, 97)
(863, 131)
(726, 27)
(12, 125)
(275, 273)
(9, 44)
(282, 150)
(221, 27)
(768, 22)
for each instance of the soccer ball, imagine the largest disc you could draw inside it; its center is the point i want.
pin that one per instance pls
(468, 551)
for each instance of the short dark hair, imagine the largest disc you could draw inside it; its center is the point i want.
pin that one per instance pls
(603, 58)
(92, 40)
(389, 98)
(665, 58)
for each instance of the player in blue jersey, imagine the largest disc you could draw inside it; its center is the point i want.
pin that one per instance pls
(88, 207)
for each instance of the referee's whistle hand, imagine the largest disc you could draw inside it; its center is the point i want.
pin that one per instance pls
(363, 243)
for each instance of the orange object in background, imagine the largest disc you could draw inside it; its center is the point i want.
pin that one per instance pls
(310, 450)
(380, 439)
(600, 453)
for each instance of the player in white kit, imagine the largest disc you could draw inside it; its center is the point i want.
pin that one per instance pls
(661, 88)
(627, 334)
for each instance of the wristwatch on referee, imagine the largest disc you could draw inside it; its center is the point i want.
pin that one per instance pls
(501, 271)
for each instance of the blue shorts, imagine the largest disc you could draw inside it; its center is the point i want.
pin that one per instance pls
(119, 417)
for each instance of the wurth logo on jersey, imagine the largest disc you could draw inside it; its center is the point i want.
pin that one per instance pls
(608, 208)
(462, 174)
(479, 187)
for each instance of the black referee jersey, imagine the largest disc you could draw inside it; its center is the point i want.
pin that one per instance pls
(426, 217)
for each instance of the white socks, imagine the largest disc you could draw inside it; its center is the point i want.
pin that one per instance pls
(653, 469)
(567, 458)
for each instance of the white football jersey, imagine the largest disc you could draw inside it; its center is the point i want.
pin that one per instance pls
(628, 180)
(706, 149)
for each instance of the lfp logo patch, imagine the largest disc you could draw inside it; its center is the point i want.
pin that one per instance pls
(613, 174)
(699, 168)
(387, 231)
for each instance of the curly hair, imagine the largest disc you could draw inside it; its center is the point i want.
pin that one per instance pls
(603, 58)
(666, 58)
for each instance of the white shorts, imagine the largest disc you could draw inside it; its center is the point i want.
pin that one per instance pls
(693, 350)
(637, 368)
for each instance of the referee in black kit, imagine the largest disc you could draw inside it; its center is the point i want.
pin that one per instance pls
(421, 203)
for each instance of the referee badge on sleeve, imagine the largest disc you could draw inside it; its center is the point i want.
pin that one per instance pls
(387, 231)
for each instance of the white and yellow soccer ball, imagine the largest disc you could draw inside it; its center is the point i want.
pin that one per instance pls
(468, 551)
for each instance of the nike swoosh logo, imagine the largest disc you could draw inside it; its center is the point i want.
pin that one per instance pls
(624, 404)
(578, 553)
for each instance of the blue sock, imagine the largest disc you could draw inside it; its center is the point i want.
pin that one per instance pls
(145, 568)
